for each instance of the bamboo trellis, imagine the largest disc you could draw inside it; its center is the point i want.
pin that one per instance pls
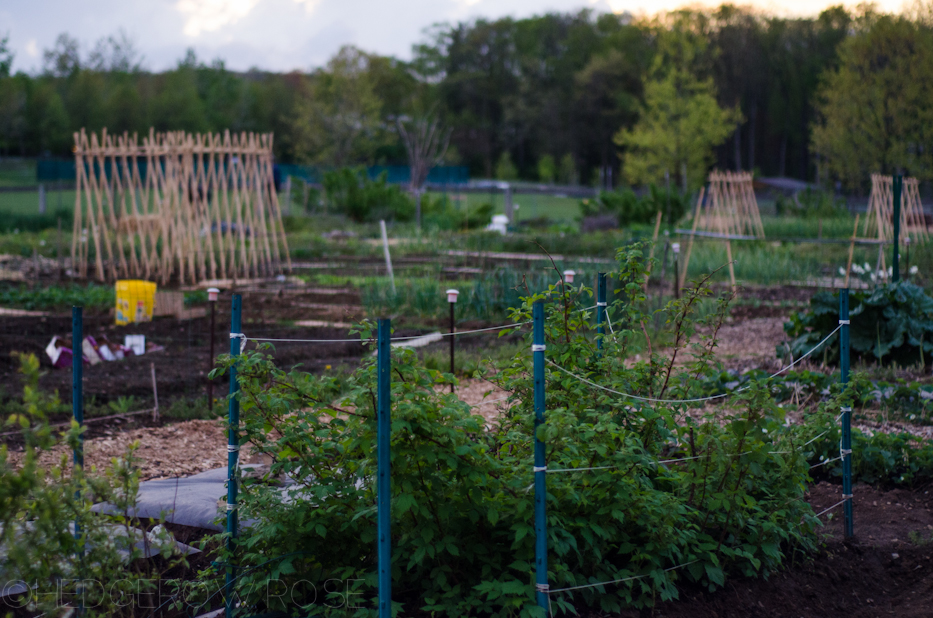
(177, 207)
(731, 210)
(731, 206)
(880, 219)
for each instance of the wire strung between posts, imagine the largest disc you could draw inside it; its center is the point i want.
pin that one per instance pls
(616, 581)
(828, 461)
(824, 511)
(698, 399)
(407, 338)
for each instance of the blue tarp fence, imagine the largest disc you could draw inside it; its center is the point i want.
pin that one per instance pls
(396, 174)
(50, 170)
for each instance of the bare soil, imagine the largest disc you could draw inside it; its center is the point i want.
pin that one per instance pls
(886, 569)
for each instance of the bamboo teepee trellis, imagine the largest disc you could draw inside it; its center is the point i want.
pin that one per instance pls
(880, 218)
(177, 207)
(731, 206)
(729, 209)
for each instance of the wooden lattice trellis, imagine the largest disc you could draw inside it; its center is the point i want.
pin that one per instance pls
(880, 219)
(177, 207)
(728, 209)
(731, 207)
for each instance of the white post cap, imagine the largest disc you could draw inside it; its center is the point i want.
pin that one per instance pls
(212, 294)
(676, 247)
(452, 295)
(568, 276)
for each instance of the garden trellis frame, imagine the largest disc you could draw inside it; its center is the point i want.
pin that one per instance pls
(730, 210)
(177, 206)
(879, 221)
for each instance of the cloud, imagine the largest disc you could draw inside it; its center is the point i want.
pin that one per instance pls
(211, 15)
(32, 48)
(309, 5)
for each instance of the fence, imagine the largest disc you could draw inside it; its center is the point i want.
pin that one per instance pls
(238, 340)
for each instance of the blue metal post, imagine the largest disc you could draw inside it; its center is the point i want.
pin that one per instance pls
(540, 468)
(897, 183)
(846, 446)
(384, 472)
(600, 308)
(233, 449)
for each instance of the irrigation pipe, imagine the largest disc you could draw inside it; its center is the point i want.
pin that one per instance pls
(699, 399)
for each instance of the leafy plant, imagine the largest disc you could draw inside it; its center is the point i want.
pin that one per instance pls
(640, 492)
(51, 538)
(891, 324)
(91, 296)
(440, 213)
(352, 192)
(630, 209)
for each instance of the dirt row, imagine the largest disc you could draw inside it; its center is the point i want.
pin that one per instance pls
(886, 569)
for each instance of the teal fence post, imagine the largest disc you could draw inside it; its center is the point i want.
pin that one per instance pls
(540, 467)
(845, 449)
(233, 449)
(77, 408)
(600, 308)
(383, 486)
(897, 183)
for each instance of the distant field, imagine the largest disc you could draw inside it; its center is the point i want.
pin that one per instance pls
(27, 202)
(529, 206)
(16, 172)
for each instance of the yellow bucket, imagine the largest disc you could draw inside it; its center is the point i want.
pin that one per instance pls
(135, 300)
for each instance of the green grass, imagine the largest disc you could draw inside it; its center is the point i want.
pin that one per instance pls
(27, 202)
(17, 172)
(530, 206)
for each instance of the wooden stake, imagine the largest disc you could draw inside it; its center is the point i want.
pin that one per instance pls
(654, 241)
(696, 221)
(155, 394)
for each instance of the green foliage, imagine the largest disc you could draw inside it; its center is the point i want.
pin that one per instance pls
(885, 459)
(874, 109)
(338, 118)
(810, 204)
(353, 193)
(38, 505)
(891, 324)
(505, 169)
(567, 173)
(92, 296)
(681, 122)
(631, 210)
(674, 497)
(440, 213)
(547, 169)
(16, 221)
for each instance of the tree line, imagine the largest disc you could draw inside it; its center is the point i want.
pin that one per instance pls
(562, 97)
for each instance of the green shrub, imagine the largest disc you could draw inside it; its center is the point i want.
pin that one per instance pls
(91, 296)
(353, 193)
(22, 222)
(440, 213)
(38, 504)
(812, 204)
(891, 324)
(660, 497)
(632, 210)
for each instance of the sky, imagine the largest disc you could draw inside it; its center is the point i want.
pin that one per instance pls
(282, 35)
